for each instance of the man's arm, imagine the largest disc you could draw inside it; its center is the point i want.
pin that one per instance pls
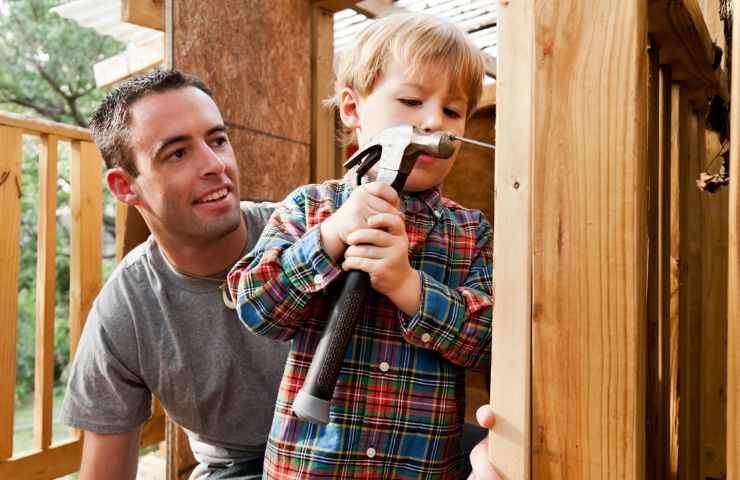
(112, 456)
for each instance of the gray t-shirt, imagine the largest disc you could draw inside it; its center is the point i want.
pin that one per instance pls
(154, 330)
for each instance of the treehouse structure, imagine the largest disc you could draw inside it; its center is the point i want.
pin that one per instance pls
(616, 330)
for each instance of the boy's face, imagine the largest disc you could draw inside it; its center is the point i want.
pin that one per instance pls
(188, 186)
(424, 99)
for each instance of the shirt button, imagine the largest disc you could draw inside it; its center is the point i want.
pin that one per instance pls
(317, 279)
(426, 338)
(384, 367)
(370, 452)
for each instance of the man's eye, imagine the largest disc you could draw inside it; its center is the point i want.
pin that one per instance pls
(410, 102)
(221, 141)
(177, 154)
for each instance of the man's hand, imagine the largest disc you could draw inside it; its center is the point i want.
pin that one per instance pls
(482, 468)
(112, 456)
(367, 200)
(382, 250)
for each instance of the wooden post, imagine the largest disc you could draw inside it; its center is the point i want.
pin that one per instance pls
(323, 165)
(86, 204)
(10, 199)
(45, 293)
(733, 288)
(586, 63)
(511, 365)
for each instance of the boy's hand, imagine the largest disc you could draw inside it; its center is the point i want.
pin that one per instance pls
(367, 200)
(382, 250)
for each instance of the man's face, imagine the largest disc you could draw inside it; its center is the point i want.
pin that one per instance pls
(423, 99)
(188, 186)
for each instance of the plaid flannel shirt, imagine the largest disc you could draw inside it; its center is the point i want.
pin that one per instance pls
(398, 406)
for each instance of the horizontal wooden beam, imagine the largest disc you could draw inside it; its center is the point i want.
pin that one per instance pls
(145, 13)
(35, 126)
(679, 29)
(132, 61)
(60, 460)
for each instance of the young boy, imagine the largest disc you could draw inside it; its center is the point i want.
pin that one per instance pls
(397, 410)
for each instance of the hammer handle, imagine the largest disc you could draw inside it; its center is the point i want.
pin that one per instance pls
(327, 361)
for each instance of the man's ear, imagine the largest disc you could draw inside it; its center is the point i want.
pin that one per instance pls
(348, 111)
(120, 183)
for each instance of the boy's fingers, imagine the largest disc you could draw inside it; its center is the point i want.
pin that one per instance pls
(363, 251)
(386, 192)
(485, 416)
(370, 236)
(393, 223)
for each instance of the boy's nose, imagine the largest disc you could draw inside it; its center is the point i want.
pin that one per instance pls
(432, 121)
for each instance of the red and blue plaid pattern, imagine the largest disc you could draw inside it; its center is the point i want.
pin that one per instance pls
(398, 406)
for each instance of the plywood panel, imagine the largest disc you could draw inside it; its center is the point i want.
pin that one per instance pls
(589, 240)
(10, 199)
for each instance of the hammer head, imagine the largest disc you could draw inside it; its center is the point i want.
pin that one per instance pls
(396, 149)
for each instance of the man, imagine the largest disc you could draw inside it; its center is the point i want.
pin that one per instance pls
(163, 323)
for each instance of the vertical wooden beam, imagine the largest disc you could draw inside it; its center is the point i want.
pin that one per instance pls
(589, 240)
(10, 199)
(86, 238)
(45, 293)
(690, 321)
(664, 264)
(654, 406)
(322, 72)
(733, 276)
(131, 230)
(713, 320)
(679, 266)
(510, 371)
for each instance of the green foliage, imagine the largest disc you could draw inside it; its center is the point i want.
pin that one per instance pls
(47, 62)
(47, 71)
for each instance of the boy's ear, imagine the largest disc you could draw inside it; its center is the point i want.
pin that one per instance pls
(348, 111)
(120, 183)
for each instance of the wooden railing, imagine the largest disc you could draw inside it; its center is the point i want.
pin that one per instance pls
(47, 459)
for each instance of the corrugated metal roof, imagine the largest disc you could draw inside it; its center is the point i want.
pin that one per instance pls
(476, 17)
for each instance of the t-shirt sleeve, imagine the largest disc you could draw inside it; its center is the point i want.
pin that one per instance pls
(105, 394)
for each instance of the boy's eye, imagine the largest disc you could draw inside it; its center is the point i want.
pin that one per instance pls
(452, 113)
(410, 102)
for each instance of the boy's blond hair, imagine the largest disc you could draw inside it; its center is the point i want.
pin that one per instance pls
(418, 41)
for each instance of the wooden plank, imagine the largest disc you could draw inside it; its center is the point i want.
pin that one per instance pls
(679, 265)
(43, 403)
(713, 322)
(510, 373)
(589, 238)
(10, 199)
(733, 274)
(180, 460)
(35, 126)
(145, 13)
(131, 230)
(685, 43)
(86, 204)
(152, 431)
(690, 305)
(133, 61)
(654, 405)
(322, 74)
(667, 378)
(60, 460)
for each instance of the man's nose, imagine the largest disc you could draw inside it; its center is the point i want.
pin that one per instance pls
(212, 164)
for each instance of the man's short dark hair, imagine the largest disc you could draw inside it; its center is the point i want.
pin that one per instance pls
(110, 122)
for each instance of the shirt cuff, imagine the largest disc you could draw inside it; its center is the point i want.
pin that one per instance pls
(422, 329)
(307, 265)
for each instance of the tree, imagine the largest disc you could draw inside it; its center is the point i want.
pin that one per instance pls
(47, 62)
(46, 71)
